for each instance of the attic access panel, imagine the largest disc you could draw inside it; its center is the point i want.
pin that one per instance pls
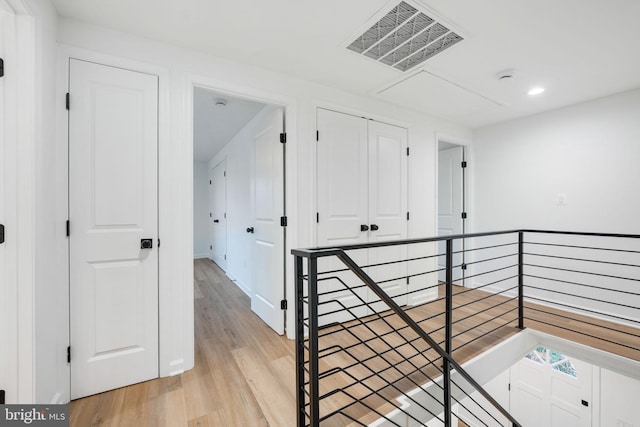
(404, 38)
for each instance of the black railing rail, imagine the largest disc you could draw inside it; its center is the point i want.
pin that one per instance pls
(371, 351)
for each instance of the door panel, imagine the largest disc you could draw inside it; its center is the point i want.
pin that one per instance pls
(268, 207)
(542, 395)
(218, 214)
(342, 189)
(112, 206)
(450, 206)
(388, 207)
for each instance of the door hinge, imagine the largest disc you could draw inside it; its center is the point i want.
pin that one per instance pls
(225, 215)
(509, 386)
(283, 304)
(464, 215)
(210, 214)
(68, 226)
(67, 101)
(283, 137)
(225, 257)
(317, 135)
(408, 216)
(317, 217)
(224, 174)
(1, 72)
(1, 233)
(2, 397)
(464, 164)
(407, 151)
(283, 221)
(158, 242)
(209, 182)
(210, 247)
(69, 354)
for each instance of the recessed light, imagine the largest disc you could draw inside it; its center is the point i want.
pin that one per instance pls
(535, 91)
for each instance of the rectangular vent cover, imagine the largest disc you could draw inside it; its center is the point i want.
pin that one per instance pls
(404, 38)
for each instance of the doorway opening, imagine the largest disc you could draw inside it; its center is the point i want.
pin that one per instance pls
(239, 196)
(451, 201)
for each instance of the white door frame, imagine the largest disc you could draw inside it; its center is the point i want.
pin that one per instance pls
(176, 347)
(17, 285)
(290, 173)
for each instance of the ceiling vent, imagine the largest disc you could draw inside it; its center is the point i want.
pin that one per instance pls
(404, 38)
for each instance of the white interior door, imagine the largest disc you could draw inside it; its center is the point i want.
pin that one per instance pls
(343, 207)
(113, 205)
(544, 396)
(450, 207)
(218, 217)
(388, 207)
(268, 208)
(4, 318)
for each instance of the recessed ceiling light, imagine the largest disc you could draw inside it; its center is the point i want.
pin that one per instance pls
(535, 91)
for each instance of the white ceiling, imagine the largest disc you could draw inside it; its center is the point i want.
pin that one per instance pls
(214, 126)
(577, 49)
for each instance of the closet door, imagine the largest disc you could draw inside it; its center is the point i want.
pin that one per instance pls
(342, 184)
(387, 149)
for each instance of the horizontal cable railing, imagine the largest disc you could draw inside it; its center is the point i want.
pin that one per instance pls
(383, 328)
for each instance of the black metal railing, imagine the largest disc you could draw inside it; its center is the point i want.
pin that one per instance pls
(382, 329)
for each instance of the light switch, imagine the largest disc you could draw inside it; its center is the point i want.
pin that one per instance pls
(562, 199)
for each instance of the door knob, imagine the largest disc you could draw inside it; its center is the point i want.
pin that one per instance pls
(250, 230)
(364, 227)
(216, 220)
(146, 243)
(374, 227)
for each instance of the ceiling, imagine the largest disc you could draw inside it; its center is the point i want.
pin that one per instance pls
(215, 125)
(577, 49)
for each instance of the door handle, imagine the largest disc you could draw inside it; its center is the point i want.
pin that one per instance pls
(250, 230)
(364, 227)
(216, 220)
(374, 227)
(146, 243)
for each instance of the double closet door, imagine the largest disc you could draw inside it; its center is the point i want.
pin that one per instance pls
(362, 198)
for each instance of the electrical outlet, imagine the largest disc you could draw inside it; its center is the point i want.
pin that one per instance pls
(562, 199)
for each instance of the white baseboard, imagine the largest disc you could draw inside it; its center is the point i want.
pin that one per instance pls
(200, 256)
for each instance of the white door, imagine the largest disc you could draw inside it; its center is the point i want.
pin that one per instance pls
(343, 208)
(4, 317)
(218, 218)
(362, 198)
(450, 207)
(268, 208)
(388, 208)
(551, 389)
(113, 205)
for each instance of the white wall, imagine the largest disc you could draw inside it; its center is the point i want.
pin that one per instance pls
(589, 152)
(184, 69)
(200, 209)
(51, 254)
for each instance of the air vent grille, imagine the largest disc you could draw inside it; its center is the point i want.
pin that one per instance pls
(404, 38)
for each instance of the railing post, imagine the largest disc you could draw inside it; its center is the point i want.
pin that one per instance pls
(314, 389)
(448, 301)
(520, 280)
(300, 394)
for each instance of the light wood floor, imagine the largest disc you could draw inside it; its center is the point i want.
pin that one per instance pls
(244, 373)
